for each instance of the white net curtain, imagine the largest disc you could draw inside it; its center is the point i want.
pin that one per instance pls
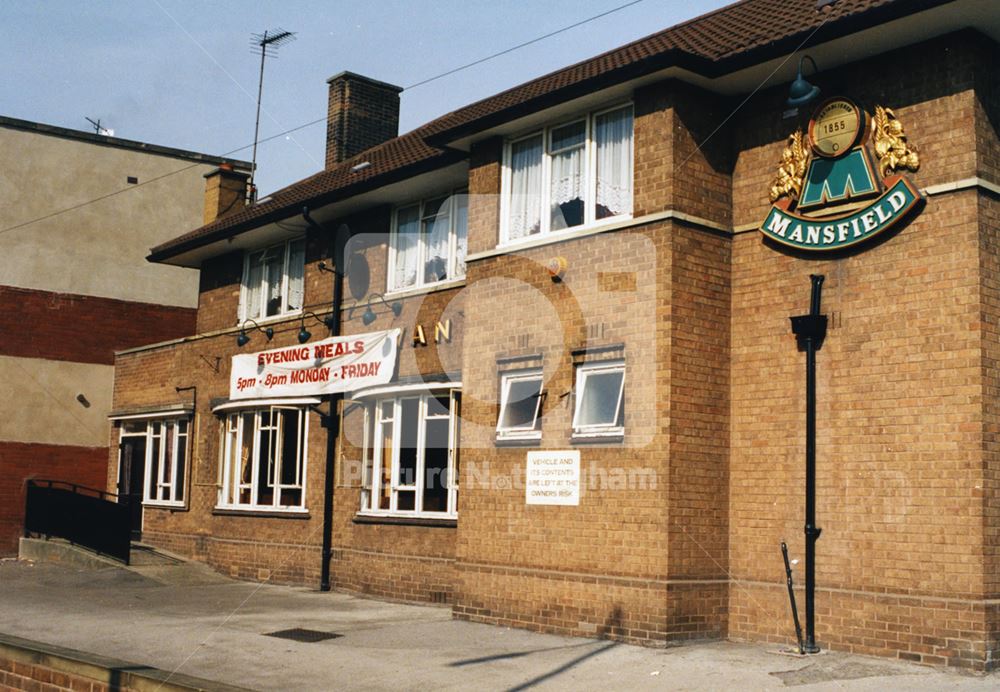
(296, 266)
(584, 174)
(613, 138)
(525, 188)
(407, 246)
(436, 226)
(567, 148)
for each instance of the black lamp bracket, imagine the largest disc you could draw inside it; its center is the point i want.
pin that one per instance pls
(369, 314)
(242, 339)
(304, 334)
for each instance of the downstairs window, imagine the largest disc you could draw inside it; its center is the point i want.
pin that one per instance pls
(411, 456)
(263, 453)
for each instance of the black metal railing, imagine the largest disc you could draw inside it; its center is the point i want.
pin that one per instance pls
(84, 516)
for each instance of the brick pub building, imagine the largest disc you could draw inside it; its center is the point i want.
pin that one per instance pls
(584, 406)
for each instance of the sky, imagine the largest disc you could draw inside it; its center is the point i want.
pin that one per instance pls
(183, 73)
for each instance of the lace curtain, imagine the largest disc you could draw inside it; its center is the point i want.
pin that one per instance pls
(436, 226)
(613, 137)
(461, 232)
(406, 245)
(525, 187)
(567, 147)
(255, 277)
(296, 265)
(274, 265)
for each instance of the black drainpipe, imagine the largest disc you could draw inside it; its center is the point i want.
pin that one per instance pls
(332, 422)
(810, 330)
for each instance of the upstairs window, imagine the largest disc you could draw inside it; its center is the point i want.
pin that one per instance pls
(272, 281)
(599, 408)
(569, 176)
(428, 242)
(520, 405)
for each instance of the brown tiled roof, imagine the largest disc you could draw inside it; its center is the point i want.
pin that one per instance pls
(714, 44)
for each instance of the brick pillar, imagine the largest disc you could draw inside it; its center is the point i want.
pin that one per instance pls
(225, 192)
(362, 113)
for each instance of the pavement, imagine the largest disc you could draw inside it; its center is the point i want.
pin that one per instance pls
(187, 620)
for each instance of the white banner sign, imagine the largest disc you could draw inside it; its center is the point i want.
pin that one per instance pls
(337, 364)
(553, 478)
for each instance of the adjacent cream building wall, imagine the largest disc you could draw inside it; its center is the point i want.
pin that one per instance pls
(79, 213)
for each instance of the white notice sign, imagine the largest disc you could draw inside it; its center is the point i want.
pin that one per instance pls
(337, 364)
(553, 478)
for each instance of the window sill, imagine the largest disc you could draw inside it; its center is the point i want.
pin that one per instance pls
(263, 513)
(444, 523)
(173, 507)
(530, 241)
(273, 319)
(518, 441)
(609, 439)
(426, 288)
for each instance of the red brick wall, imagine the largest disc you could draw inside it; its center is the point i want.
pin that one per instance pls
(83, 329)
(288, 550)
(360, 114)
(19, 462)
(27, 665)
(989, 287)
(18, 675)
(902, 382)
(699, 426)
(219, 292)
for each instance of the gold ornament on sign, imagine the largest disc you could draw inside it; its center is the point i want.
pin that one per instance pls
(891, 147)
(792, 169)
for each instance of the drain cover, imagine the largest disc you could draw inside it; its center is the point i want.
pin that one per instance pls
(298, 634)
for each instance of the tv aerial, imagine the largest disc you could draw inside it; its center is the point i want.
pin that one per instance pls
(267, 45)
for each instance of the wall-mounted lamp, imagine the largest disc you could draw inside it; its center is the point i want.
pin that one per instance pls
(305, 334)
(369, 316)
(243, 339)
(802, 92)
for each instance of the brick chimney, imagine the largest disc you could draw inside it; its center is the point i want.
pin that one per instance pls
(225, 192)
(362, 113)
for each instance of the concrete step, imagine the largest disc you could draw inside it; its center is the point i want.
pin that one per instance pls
(63, 552)
(143, 554)
(146, 560)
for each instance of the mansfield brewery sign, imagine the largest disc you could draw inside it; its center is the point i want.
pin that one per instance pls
(830, 192)
(337, 364)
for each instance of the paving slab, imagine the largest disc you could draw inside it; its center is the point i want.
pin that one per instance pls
(215, 628)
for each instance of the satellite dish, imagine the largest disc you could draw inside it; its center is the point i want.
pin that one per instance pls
(358, 275)
(355, 265)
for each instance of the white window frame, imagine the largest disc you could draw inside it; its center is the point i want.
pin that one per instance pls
(373, 456)
(232, 431)
(583, 372)
(162, 491)
(244, 309)
(590, 179)
(452, 201)
(534, 432)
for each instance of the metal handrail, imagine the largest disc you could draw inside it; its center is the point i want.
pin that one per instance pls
(76, 488)
(90, 517)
